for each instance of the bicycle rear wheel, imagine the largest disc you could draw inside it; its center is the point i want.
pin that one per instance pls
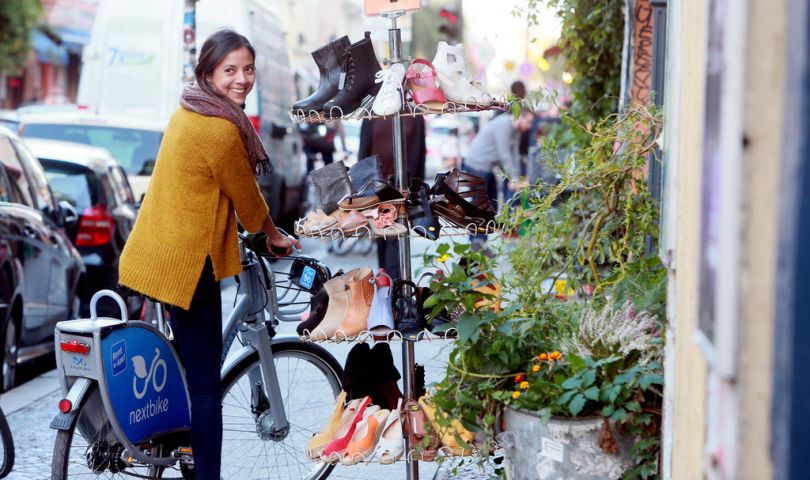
(7, 446)
(90, 450)
(309, 378)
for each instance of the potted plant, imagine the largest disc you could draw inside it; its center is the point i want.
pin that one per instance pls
(577, 335)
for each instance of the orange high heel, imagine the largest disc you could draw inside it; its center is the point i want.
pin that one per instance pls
(365, 438)
(351, 417)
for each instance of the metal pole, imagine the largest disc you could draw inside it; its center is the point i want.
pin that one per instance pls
(401, 179)
(189, 40)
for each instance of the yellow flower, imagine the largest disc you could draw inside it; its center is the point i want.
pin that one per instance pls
(554, 355)
(443, 258)
(524, 385)
(542, 357)
(536, 368)
(515, 395)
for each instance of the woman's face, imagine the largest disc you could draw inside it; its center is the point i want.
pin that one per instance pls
(235, 75)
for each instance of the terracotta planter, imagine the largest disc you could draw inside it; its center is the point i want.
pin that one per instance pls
(563, 449)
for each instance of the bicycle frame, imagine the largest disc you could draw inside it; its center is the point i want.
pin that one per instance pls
(246, 320)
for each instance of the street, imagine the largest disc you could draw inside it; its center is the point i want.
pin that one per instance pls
(31, 407)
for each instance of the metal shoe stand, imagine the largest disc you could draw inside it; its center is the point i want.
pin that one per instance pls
(401, 179)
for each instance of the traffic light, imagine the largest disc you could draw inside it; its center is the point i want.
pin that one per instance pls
(450, 24)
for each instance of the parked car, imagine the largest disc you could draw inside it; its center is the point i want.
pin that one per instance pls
(95, 185)
(9, 119)
(40, 270)
(133, 142)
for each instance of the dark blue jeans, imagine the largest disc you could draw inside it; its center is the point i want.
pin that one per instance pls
(491, 188)
(198, 339)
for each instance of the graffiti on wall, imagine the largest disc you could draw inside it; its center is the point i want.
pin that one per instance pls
(642, 52)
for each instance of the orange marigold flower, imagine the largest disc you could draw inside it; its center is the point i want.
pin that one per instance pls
(519, 378)
(554, 355)
(536, 368)
(515, 395)
(542, 357)
(524, 385)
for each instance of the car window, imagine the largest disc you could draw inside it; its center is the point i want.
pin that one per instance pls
(36, 178)
(13, 170)
(71, 184)
(135, 150)
(120, 183)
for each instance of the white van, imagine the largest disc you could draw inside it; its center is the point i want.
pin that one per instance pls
(133, 67)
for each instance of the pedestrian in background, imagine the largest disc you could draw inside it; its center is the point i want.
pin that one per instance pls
(185, 238)
(496, 145)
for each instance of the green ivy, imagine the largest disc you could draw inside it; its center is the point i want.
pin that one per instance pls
(17, 19)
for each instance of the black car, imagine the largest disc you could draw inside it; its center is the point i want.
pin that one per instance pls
(95, 185)
(40, 270)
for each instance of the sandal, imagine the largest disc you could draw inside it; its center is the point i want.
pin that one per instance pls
(462, 199)
(406, 316)
(424, 86)
(420, 214)
(454, 438)
(391, 447)
(416, 422)
(383, 221)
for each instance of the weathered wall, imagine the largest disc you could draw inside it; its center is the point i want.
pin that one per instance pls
(687, 375)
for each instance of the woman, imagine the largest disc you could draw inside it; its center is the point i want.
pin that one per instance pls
(185, 238)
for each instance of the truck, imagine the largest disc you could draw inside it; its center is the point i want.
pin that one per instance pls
(133, 67)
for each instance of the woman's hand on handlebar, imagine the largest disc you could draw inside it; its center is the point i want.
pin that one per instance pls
(282, 245)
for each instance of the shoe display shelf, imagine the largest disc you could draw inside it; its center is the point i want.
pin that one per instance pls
(412, 109)
(442, 454)
(447, 229)
(389, 336)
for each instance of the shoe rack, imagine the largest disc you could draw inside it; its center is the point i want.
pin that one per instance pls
(400, 180)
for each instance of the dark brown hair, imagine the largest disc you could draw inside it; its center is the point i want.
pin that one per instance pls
(214, 51)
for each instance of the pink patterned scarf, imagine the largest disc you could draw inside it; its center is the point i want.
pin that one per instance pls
(197, 100)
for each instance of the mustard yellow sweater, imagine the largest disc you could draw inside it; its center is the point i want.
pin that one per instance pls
(201, 174)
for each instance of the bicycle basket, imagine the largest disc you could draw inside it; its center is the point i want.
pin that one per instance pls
(309, 274)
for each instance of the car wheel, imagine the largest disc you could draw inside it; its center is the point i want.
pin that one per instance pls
(8, 370)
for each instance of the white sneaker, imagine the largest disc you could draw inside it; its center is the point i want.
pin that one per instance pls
(390, 98)
(455, 78)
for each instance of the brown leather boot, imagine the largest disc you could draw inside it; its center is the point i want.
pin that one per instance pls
(361, 293)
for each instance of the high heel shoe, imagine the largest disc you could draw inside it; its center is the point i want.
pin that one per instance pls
(361, 293)
(455, 438)
(351, 417)
(391, 446)
(365, 438)
(319, 440)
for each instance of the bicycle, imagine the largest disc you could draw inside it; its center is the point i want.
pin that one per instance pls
(275, 391)
(6, 447)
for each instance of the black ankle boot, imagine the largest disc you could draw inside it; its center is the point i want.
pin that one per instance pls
(317, 310)
(328, 58)
(359, 67)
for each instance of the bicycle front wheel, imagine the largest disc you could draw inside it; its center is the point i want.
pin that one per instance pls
(7, 446)
(309, 378)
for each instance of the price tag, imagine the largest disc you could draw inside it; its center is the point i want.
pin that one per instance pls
(552, 450)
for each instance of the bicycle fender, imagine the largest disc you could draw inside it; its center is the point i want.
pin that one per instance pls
(236, 359)
(64, 421)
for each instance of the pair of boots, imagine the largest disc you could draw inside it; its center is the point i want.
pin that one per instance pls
(342, 306)
(347, 72)
(371, 372)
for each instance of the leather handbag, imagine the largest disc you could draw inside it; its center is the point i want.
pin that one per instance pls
(366, 174)
(331, 185)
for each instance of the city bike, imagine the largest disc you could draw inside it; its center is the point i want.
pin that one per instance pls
(125, 409)
(6, 447)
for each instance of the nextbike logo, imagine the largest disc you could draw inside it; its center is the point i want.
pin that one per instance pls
(143, 379)
(157, 374)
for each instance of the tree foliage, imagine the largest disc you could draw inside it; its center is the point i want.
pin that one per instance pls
(592, 37)
(17, 19)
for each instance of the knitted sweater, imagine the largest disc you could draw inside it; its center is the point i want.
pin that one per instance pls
(201, 174)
